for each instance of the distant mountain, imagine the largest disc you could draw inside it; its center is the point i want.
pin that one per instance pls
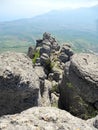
(77, 26)
(82, 17)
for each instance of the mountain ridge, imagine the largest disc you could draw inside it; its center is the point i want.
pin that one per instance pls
(74, 26)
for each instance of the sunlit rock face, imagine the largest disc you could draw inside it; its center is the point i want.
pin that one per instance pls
(19, 84)
(79, 87)
(44, 118)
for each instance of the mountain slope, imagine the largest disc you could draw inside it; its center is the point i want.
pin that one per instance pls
(77, 26)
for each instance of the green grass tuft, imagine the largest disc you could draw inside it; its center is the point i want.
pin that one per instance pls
(36, 55)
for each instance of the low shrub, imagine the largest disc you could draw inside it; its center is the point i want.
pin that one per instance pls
(36, 55)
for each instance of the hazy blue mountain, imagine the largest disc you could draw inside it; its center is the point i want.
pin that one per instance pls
(79, 27)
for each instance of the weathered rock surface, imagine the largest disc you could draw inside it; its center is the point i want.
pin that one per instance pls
(93, 122)
(48, 44)
(45, 93)
(47, 36)
(44, 59)
(39, 43)
(45, 49)
(19, 84)
(86, 67)
(24, 85)
(65, 53)
(67, 50)
(43, 118)
(63, 57)
(55, 46)
(30, 52)
(39, 70)
(79, 86)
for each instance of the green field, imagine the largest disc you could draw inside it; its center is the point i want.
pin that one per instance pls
(67, 27)
(80, 41)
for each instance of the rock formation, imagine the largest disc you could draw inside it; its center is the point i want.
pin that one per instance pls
(65, 53)
(44, 118)
(30, 52)
(79, 86)
(52, 58)
(19, 84)
(48, 73)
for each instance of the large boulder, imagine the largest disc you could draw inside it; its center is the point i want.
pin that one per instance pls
(43, 118)
(79, 86)
(19, 84)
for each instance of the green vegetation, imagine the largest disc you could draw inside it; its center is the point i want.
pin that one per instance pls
(91, 112)
(79, 107)
(80, 40)
(69, 85)
(49, 65)
(55, 104)
(54, 88)
(36, 55)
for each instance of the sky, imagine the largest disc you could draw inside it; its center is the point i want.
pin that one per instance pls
(18, 9)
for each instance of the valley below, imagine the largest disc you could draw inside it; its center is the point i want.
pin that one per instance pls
(77, 27)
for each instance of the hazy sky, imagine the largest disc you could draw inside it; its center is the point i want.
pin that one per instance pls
(15, 9)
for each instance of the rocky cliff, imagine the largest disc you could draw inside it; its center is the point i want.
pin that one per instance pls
(48, 76)
(79, 86)
(19, 84)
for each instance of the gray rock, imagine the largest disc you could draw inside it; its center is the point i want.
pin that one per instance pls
(86, 67)
(63, 57)
(96, 105)
(43, 59)
(46, 42)
(50, 76)
(54, 83)
(54, 100)
(30, 52)
(43, 118)
(46, 93)
(67, 50)
(45, 49)
(93, 122)
(39, 43)
(66, 44)
(49, 38)
(79, 86)
(19, 84)
(37, 62)
(46, 36)
(54, 76)
(57, 72)
(55, 46)
(39, 70)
